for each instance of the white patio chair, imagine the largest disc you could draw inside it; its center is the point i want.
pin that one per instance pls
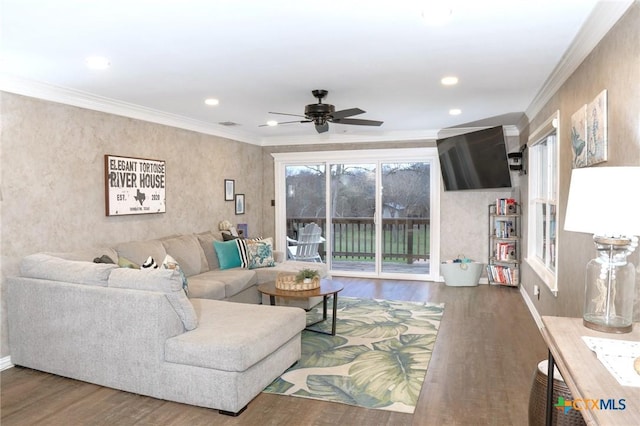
(306, 246)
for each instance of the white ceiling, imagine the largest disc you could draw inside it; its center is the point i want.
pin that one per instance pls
(257, 56)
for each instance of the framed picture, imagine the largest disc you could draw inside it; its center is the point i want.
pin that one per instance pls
(229, 189)
(597, 129)
(134, 185)
(579, 137)
(243, 230)
(239, 203)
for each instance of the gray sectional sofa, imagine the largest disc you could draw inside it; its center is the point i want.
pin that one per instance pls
(136, 330)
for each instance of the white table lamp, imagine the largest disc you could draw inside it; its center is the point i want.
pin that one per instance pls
(605, 202)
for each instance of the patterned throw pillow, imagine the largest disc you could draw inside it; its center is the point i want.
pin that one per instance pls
(150, 263)
(260, 253)
(170, 263)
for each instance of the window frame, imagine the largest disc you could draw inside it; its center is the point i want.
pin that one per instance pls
(550, 198)
(428, 154)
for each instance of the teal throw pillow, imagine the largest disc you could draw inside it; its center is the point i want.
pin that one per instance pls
(228, 255)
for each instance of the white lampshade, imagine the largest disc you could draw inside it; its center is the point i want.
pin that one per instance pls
(604, 201)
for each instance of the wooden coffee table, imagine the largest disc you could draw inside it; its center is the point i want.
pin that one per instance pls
(327, 288)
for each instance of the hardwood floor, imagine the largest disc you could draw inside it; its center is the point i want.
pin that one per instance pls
(480, 373)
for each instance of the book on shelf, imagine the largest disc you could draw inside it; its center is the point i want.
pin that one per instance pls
(503, 274)
(506, 206)
(504, 229)
(505, 251)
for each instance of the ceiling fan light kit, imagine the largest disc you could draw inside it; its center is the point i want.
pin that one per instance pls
(322, 114)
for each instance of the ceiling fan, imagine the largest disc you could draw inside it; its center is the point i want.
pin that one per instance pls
(322, 114)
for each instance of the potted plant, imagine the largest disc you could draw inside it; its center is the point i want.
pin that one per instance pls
(306, 275)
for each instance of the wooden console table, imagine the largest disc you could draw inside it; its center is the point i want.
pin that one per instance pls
(584, 374)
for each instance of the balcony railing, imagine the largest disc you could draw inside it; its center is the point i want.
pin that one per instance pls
(404, 239)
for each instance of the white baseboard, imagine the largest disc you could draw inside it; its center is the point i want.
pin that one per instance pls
(5, 363)
(534, 312)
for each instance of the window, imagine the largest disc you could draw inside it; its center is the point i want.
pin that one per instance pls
(543, 201)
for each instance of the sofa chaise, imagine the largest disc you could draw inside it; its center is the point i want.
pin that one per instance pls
(136, 330)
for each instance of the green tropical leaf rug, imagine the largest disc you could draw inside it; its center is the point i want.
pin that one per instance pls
(377, 359)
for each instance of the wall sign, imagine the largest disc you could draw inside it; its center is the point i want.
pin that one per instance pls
(134, 185)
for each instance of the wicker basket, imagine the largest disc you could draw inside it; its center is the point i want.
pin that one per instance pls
(288, 282)
(538, 400)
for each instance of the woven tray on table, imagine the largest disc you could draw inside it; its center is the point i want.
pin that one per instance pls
(288, 282)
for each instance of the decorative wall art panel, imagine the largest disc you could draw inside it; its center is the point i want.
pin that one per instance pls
(134, 185)
(579, 137)
(597, 129)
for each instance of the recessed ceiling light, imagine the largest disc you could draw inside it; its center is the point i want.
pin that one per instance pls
(455, 111)
(97, 62)
(449, 80)
(272, 123)
(211, 101)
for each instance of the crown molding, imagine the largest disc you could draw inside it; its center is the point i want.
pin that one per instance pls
(328, 138)
(49, 92)
(509, 130)
(67, 96)
(63, 95)
(602, 18)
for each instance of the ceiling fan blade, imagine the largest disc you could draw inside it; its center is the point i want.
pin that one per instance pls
(321, 128)
(285, 122)
(346, 113)
(358, 122)
(285, 113)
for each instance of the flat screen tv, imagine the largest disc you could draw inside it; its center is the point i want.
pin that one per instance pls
(476, 160)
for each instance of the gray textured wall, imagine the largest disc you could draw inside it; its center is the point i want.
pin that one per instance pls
(613, 65)
(53, 180)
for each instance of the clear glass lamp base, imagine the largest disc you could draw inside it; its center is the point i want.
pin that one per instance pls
(610, 286)
(617, 324)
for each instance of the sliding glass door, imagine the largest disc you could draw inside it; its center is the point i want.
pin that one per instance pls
(376, 213)
(352, 217)
(405, 217)
(305, 199)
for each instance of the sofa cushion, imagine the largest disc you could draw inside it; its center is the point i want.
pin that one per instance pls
(53, 268)
(228, 254)
(162, 280)
(206, 286)
(234, 336)
(186, 250)
(235, 280)
(206, 240)
(138, 251)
